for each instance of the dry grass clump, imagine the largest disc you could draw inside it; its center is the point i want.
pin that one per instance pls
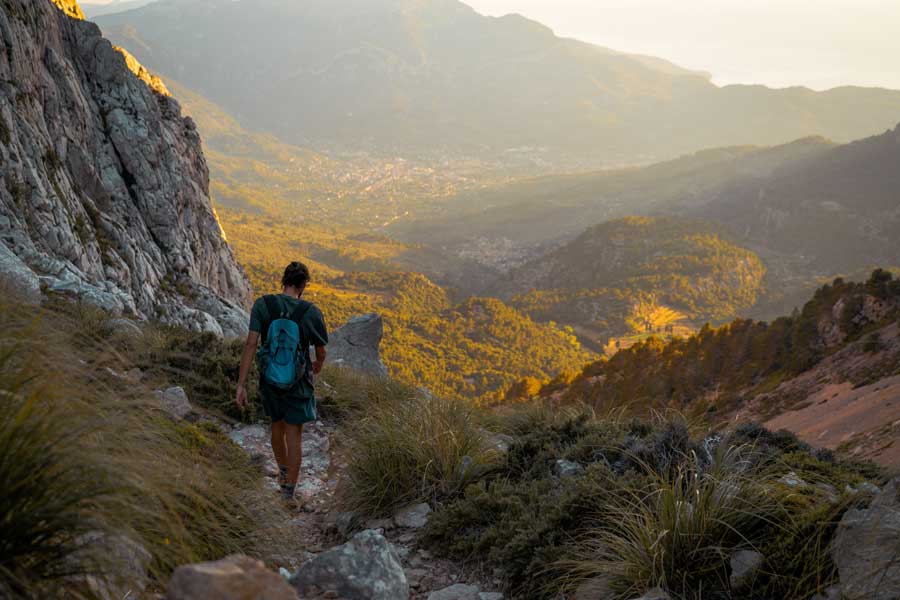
(409, 449)
(86, 454)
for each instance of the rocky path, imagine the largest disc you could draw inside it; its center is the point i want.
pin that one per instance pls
(324, 530)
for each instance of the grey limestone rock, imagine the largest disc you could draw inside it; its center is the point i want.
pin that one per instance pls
(413, 517)
(174, 401)
(356, 344)
(866, 548)
(457, 591)
(365, 568)
(237, 577)
(744, 566)
(17, 279)
(104, 190)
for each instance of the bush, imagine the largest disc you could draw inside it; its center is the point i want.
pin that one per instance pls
(651, 507)
(679, 532)
(205, 365)
(343, 394)
(413, 449)
(86, 450)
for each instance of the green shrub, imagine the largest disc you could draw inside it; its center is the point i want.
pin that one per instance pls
(413, 449)
(523, 528)
(204, 364)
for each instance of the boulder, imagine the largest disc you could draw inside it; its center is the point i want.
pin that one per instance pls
(567, 468)
(499, 441)
(17, 279)
(122, 327)
(413, 517)
(365, 568)
(832, 592)
(237, 577)
(744, 566)
(356, 345)
(174, 401)
(490, 596)
(457, 591)
(866, 548)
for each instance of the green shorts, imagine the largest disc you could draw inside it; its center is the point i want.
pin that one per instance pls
(286, 406)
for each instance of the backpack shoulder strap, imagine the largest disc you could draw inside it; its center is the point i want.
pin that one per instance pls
(272, 308)
(297, 317)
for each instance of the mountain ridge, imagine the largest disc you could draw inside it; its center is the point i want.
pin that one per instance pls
(437, 79)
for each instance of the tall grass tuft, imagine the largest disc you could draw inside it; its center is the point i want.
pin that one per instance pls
(413, 449)
(679, 532)
(86, 453)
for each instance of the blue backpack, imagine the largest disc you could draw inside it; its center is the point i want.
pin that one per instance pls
(283, 356)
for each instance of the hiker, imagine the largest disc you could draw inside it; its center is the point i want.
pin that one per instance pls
(286, 326)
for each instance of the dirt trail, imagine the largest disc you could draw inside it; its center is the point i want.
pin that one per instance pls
(321, 526)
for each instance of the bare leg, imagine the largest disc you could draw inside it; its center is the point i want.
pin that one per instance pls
(278, 444)
(294, 440)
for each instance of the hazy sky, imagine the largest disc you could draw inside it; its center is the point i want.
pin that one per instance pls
(817, 43)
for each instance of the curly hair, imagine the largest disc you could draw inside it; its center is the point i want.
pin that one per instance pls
(296, 275)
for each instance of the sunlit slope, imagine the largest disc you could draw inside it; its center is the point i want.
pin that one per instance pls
(475, 349)
(435, 78)
(636, 276)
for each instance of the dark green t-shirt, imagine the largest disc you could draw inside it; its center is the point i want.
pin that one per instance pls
(312, 327)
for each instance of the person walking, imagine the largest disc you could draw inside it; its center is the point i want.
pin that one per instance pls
(282, 329)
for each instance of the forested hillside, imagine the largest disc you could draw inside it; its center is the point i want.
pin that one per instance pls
(638, 276)
(475, 349)
(721, 370)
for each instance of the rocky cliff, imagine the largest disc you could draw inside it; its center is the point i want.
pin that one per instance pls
(105, 190)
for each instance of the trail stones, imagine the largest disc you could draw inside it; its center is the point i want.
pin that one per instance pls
(462, 591)
(458, 591)
(234, 578)
(413, 517)
(174, 401)
(365, 568)
(866, 548)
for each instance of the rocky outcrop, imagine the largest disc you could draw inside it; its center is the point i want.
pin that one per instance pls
(365, 568)
(866, 548)
(105, 190)
(17, 279)
(234, 578)
(356, 345)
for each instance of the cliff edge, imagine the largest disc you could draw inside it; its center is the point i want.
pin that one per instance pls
(105, 189)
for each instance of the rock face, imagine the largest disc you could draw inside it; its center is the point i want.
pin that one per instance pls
(105, 190)
(867, 546)
(17, 278)
(356, 345)
(234, 578)
(365, 568)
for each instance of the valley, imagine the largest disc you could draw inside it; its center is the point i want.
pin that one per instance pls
(598, 328)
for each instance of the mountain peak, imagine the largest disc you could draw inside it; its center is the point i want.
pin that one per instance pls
(70, 7)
